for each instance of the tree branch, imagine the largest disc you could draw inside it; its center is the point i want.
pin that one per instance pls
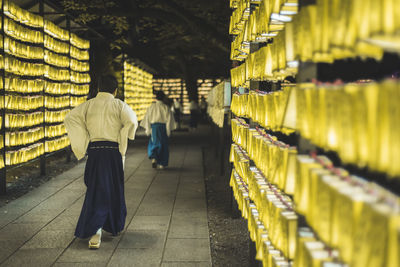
(197, 25)
(197, 22)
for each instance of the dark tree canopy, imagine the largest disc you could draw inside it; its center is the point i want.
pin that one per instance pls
(177, 38)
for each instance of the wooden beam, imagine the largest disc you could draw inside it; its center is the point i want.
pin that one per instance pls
(29, 5)
(55, 6)
(59, 20)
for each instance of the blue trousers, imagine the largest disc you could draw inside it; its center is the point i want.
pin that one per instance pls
(104, 205)
(158, 144)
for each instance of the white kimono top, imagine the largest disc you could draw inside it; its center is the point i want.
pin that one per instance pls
(158, 112)
(103, 118)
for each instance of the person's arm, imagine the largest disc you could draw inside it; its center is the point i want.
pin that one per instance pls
(129, 126)
(145, 123)
(129, 122)
(77, 132)
(171, 125)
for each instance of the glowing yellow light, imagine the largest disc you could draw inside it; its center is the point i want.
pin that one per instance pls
(21, 33)
(79, 54)
(62, 51)
(55, 31)
(79, 42)
(78, 77)
(138, 89)
(57, 144)
(56, 45)
(55, 59)
(24, 154)
(76, 101)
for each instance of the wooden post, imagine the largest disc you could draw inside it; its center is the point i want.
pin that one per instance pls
(3, 181)
(68, 149)
(225, 141)
(43, 157)
(123, 58)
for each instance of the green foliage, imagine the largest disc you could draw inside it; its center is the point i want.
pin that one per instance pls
(177, 32)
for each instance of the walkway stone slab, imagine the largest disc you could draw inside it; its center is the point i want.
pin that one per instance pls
(63, 222)
(8, 247)
(33, 257)
(143, 239)
(187, 264)
(150, 223)
(50, 239)
(187, 250)
(80, 264)
(20, 231)
(43, 216)
(136, 257)
(166, 224)
(188, 227)
(78, 251)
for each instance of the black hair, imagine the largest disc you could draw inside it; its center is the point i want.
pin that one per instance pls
(160, 95)
(108, 83)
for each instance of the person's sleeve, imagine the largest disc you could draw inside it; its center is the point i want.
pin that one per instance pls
(129, 121)
(145, 123)
(129, 125)
(171, 125)
(77, 132)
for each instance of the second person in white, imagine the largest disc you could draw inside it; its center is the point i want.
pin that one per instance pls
(158, 123)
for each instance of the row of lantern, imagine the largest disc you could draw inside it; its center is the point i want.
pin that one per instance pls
(33, 151)
(319, 34)
(23, 68)
(347, 212)
(138, 88)
(259, 25)
(15, 84)
(18, 138)
(362, 129)
(30, 42)
(15, 121)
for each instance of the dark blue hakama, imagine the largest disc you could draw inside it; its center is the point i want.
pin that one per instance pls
(158, 144)
(104, 205)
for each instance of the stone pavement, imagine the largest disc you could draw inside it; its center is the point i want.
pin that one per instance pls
(166, 223)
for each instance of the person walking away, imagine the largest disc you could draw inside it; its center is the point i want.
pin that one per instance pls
(101, 127)
(177, 112)
(203, 108)
(158, 123)
(194, 114)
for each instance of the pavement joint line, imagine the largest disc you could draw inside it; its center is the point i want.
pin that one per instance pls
(59, 256)
(15, 251)
(181, 172)
(137, 208)
(41, 201)
(130, 176)
(205, 193)
(191, 238)
(69, 245)
(72, 239)
(185, 261)
(173, 207)
(77, 199)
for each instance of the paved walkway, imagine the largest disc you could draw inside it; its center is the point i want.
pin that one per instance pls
(166, 223)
